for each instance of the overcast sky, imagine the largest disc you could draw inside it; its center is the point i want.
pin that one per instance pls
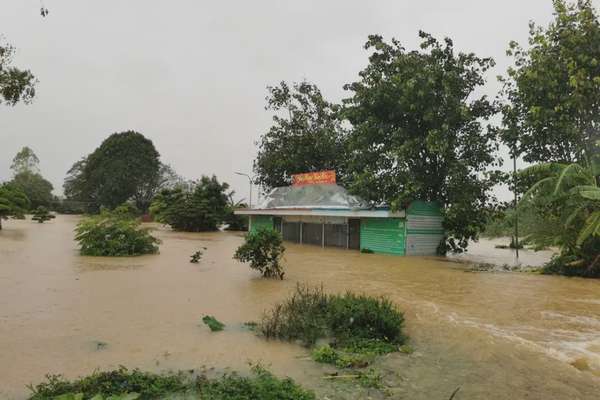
(191, 75)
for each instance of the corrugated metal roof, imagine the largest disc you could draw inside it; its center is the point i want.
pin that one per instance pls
(324, 196)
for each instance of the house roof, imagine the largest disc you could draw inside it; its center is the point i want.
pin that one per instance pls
(323, 196)
(322, 200)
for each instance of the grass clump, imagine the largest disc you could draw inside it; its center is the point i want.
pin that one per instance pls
(261, 385)
(123, 384)
(359, 328)
(214, 324)
(111, 383)
(351, 320)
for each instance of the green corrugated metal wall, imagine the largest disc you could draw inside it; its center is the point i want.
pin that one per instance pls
(424, 229)
(383, 235)
(261, 221)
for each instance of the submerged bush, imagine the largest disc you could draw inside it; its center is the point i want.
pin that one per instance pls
(263, 249)
(123, 384)
(41, 215)
(114, 234)
(358, 323)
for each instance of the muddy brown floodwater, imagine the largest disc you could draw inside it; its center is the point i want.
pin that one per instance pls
(494, 335)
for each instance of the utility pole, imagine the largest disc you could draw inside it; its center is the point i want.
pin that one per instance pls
(516, 204)
(251, 182)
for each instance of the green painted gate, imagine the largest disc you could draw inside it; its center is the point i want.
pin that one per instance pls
(383, 235)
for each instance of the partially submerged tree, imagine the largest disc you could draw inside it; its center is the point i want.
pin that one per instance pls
(27, 177)
(200, 208)
(418, 132)
(263, 249)
(13, 202)
(114, 234)
(552, 93)
(306, 135)
(16, 85)
(41, 215)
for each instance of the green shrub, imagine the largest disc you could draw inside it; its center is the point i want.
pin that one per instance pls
(263, 249)
(114, 234)
(302, 316)
(352, 317)
(262, 385)
(356, 322)
(41, 215)
(112, 383)
(123, 384)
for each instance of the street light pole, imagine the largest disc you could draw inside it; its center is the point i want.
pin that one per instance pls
(250, 181)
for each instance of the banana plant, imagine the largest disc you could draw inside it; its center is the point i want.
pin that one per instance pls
(570, 193)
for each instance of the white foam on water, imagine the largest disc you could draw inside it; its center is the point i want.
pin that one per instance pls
(561, 344)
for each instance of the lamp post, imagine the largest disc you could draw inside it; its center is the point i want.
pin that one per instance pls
(251, 182)
(515, 189)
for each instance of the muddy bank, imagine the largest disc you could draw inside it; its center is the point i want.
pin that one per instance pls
(500, 336)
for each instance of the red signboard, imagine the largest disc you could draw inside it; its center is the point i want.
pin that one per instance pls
(314, 178)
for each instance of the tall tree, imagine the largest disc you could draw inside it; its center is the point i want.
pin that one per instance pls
(306, 135)
(15, 84)
(552, 93)
(13, 202)
(25, 161)
(164, 178)
(418, 133)
(115, 172)
(37, 189)
(27, 177)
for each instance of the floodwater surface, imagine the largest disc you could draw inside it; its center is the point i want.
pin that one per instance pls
(494, 335)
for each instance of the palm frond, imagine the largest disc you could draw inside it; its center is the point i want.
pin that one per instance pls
(563, 175)
(591, 228)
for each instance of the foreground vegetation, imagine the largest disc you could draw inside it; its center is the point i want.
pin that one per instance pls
(356, 328)
(125, 384)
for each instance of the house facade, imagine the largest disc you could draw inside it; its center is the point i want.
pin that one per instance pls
(325, 214)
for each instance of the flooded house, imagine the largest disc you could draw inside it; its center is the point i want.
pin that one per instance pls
(315, 210)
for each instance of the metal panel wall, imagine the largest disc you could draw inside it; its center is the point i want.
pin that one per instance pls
(383, 235)
(312, 234)
(336, 235)
(291, 231)
(424, 229)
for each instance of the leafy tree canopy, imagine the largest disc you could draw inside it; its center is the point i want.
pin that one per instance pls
(13, 202)
(15, 84)
(35, 187)
(418, 132)
(123, 166)
(552, 93)
(27, 177)
(200, 208)
(306, 135)
(25, 161)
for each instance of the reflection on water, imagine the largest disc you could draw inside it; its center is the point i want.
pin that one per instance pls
(500, 336)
